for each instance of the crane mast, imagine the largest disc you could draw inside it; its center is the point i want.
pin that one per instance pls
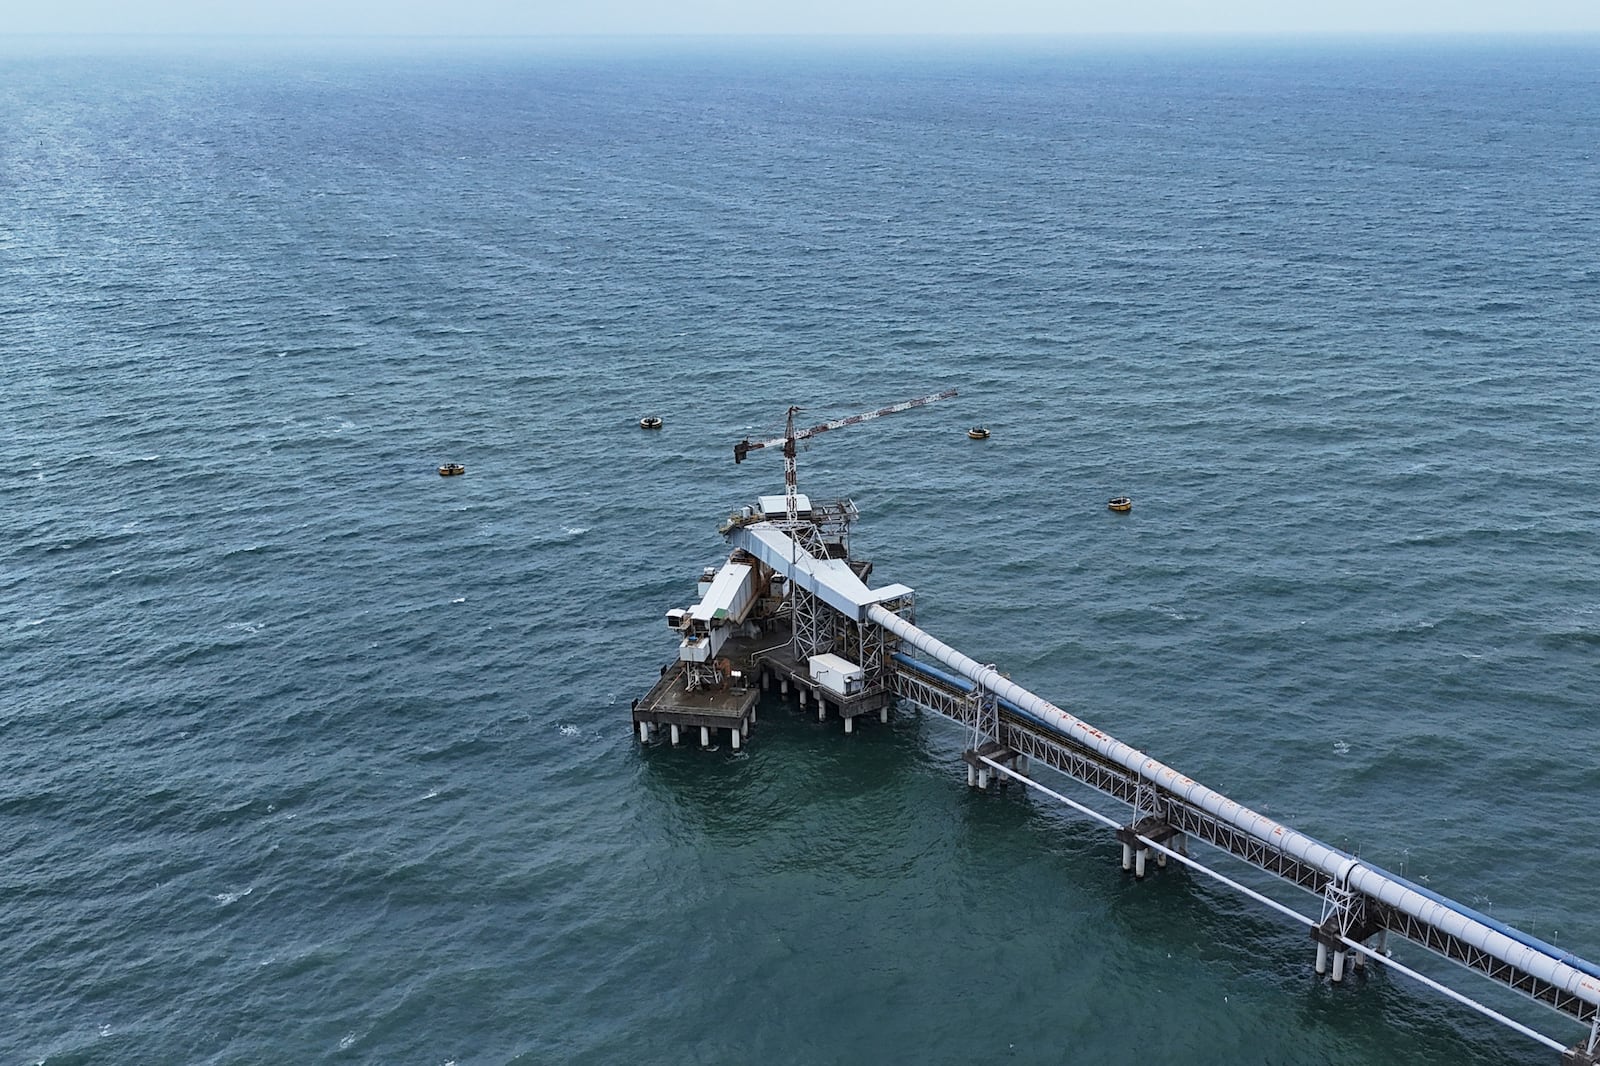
(791, 436)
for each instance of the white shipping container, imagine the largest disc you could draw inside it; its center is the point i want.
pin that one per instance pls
(839, 676)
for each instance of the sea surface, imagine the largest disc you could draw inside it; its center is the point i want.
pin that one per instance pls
(311, 755)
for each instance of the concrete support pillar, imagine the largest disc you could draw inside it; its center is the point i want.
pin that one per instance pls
(705, 736)
(1138, 861)
(1127, 856)
(674, 734)
(1338, 965)
(802, 694)
(783, 686)
(752, 719)
(1161, 859)
(1020, 764)
(849, 726)
(766, 680)
(744, 729)
(644, 732)
(972, 776)
(1322, 958)
(734, 736)
(883, 714)
(983, 778)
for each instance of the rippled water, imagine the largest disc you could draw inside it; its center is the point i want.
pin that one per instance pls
(314, 755)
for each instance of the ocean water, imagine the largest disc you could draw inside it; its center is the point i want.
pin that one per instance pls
(314, 756)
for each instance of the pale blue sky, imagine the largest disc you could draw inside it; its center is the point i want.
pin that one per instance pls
(800, 16)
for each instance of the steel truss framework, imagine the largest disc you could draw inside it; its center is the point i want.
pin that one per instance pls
(818, 628)
(814, 623)
(865, 646)
(1354, 914)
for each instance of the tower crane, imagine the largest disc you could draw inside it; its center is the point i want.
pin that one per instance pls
(792, 435)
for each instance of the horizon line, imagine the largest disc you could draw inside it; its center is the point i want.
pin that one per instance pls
(949, 35)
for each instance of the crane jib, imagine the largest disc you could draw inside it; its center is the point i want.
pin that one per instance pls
(746, 446)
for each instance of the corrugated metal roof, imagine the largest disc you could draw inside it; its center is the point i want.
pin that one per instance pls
(830, 580)
(779, 505)
(723, 595)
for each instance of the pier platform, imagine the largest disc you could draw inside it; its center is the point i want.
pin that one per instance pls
(670, 704)
(730, 705)
(763, 662)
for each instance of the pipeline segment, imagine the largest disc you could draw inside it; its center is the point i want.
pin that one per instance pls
(1567, 972)
(1355, 867)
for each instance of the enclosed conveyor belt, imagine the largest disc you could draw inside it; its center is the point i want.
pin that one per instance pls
(1547, 973)
(1374, 899)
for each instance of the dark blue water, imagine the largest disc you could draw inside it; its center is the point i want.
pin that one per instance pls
(312, 755)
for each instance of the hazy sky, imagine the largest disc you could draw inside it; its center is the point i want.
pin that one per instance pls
(799, 16)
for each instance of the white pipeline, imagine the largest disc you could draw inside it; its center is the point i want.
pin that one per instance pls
(1344, 869)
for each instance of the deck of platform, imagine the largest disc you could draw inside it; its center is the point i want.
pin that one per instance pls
(727, 706)
(762, 662)
(669, 703)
